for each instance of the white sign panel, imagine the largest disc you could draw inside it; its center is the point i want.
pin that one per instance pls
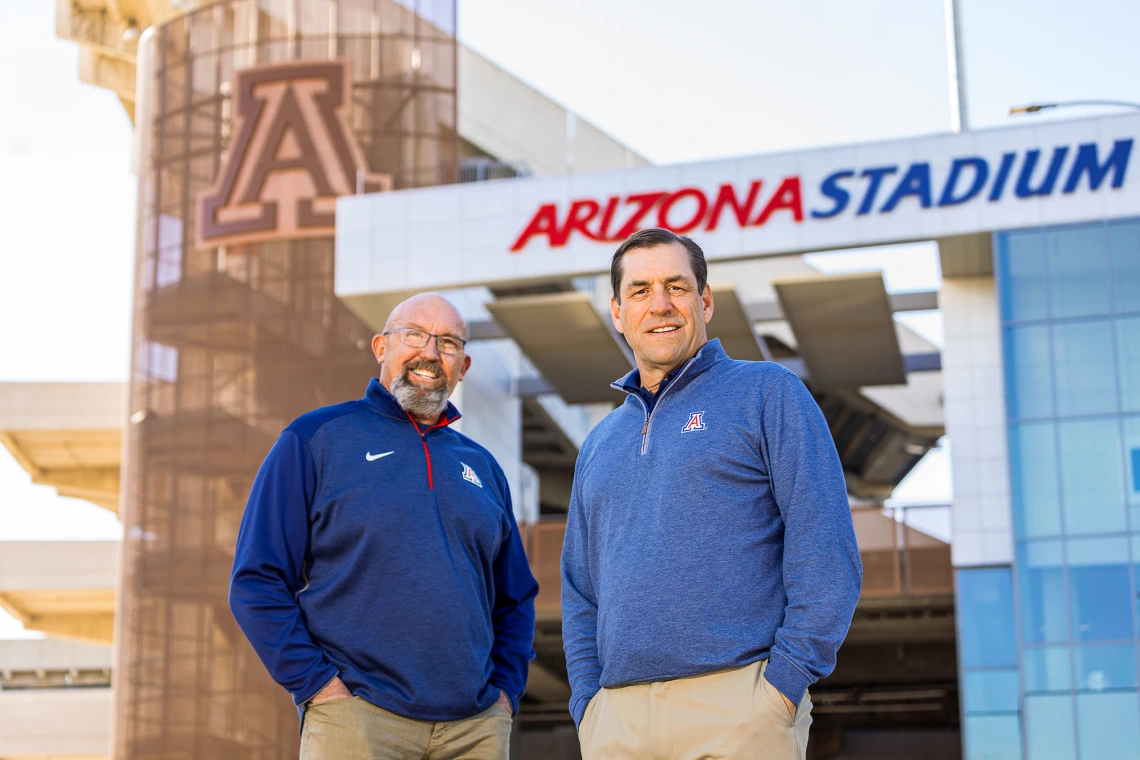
(916, 189)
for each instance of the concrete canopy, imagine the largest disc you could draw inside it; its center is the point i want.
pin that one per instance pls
(844, 328)
(62, 588)
(67, 435)
(730, 323)
(568, 341)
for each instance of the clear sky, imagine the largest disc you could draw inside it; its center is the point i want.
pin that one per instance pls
(677, 81)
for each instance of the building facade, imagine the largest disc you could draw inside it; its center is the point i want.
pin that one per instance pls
(1008, 618)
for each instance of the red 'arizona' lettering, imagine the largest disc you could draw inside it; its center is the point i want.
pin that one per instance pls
(681, 211)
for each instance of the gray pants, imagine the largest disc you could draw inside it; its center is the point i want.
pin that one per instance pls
(352, 729)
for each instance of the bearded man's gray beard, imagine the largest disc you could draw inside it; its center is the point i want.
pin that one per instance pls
(421, 403)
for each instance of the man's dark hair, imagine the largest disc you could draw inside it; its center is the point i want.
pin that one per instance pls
(651, 238)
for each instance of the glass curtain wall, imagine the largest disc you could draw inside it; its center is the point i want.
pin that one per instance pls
(232, 342)
(1070, 308)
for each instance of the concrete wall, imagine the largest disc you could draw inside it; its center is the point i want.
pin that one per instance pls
(504, 117)
(975, 421)
(55, 723)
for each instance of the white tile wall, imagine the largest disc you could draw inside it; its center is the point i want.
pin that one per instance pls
(975, 422)
(492, 413)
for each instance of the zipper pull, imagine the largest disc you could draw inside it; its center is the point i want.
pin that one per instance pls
(645, 427)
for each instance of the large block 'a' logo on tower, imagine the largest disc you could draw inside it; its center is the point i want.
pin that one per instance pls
(293, 153)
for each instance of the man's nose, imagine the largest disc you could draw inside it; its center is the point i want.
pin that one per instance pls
(431, 349)
(659, 302)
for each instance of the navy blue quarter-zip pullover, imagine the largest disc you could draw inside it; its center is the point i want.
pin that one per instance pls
(385, 553)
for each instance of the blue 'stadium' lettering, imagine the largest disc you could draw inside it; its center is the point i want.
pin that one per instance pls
(981, 174)
(1086, 162)
(1046, 187)
(876, 176)
(1007, 160)
(976, 171)
(916, 182)
(831, 189)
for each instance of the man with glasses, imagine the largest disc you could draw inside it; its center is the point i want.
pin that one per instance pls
(379, 572)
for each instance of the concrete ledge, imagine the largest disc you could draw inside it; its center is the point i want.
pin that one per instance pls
(56, 723)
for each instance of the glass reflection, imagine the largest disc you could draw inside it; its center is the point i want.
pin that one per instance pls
(1042, 581)
(1049, 728)
(1029, 380)
(990, 691)
(1022, 275)
(1099, 588)
(1077, 261)
(1092, 496)
(1124, 251)
(986, 636)
(1128, 362)
(1109, 725)
(1046, 669)
(993, 737)
(1034, 488)
(1083, 368)
(1100, 668)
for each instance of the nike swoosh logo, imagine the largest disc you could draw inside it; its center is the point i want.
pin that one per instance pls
(372, 458)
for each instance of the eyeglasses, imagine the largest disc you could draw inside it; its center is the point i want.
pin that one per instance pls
(414, 338)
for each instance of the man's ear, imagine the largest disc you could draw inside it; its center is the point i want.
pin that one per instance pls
(466, 366)
(378, 348)
(615, 313)
(707, 302)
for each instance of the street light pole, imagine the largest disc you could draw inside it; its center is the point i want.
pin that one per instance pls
(959, 119)
(1035, 107)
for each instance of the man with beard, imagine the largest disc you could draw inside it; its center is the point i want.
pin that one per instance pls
(379, 572)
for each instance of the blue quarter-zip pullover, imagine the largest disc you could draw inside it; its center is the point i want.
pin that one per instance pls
(387, 554)
(708, 533)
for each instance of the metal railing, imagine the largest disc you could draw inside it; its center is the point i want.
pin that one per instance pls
(904, 549)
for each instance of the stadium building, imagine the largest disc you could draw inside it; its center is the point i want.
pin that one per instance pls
(305, 165)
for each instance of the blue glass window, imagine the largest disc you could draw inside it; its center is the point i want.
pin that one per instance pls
(1033, 487)
(1136, 569)
(1083, 368)
(1077, 261)
(1049, 728)
(1128, 362)
(990, 691)
(1046, 669)
(1106, 667)
(1044, 618)
(993, 737)
(1092, 477)
(1109, 725)
(1022, 259)
(986, 636)
(1132, 469)
(1124, 250)
(1028, 378)
(1100, 589)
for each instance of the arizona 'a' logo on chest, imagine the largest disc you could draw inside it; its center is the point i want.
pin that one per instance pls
(292, 154)
(696, 422)
(470, 476)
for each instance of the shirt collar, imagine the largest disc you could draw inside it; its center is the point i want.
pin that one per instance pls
(708, 355)
(379, 398)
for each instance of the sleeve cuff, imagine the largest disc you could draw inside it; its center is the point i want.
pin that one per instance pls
(324, 680)
(578, 707)
(787, 678)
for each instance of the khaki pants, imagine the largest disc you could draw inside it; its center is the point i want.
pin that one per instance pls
(352, 729)
(728, 715)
